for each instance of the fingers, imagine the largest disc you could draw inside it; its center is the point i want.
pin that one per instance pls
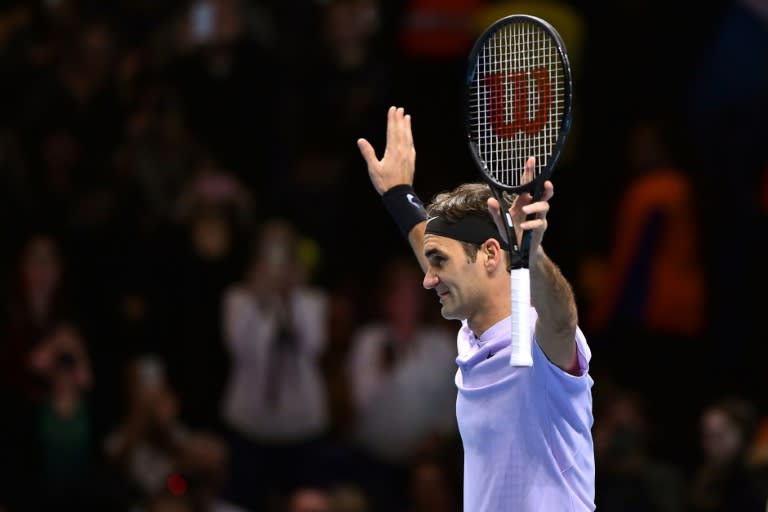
(398, 125)
(524, 203)
(495, 209)
(408, 133)
(391, 124)
(396, 165)
(540, 207)
(549, 191)
(528, 174)
(493, 206)
(396, 119)
(367, 151)
(539, 210)
(528, 171)
(401, 128)
(537, 225)
(536, 210)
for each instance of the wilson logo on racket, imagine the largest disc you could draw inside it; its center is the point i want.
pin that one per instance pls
(517, 114)
(521, 121)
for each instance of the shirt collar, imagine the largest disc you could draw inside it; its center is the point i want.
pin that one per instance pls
(497, 332)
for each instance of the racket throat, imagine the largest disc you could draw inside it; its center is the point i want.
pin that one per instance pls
(510, 224)
(525, 248)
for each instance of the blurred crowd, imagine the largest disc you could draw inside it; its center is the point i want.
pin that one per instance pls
(205, 307)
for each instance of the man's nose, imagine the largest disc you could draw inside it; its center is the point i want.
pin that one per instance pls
(430, 280)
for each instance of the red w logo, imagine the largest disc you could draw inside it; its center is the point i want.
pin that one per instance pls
(521, 120)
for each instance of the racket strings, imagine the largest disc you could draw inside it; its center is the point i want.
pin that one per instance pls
(517, 101)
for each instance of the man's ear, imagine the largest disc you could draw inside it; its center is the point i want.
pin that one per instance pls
(494, 255)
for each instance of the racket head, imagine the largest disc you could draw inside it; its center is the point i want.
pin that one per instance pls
(518, 101)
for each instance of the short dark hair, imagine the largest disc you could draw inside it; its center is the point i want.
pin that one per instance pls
(466, 199)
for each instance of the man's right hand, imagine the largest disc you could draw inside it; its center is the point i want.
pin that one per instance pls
(398, 164)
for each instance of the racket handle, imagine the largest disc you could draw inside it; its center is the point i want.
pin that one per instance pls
(520, 345)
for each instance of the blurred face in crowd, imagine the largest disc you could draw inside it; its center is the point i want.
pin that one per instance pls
(429, 489)
(721, 438)
(211, 235)
(620, 432)
(351, 22)
(169, 504)
(40, 266)
(309, 500)
(403, 298)
(150, 397)
(276, 266)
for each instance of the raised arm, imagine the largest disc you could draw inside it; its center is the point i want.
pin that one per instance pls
(551, 294)
(392, 177)
(555, 304)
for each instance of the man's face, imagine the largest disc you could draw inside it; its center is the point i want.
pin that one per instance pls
(458, 281)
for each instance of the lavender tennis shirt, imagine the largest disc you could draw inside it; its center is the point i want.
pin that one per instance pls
(526, 431)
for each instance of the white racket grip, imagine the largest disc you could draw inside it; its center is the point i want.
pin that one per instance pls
(520, 345)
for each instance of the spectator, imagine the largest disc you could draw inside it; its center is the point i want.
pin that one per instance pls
(201, 470)
(400, 369)
(433, 486)
(147, 441)
(722, 479)
(275, 404)
(629, 475)
(202, 258)
(308, 499)
(39, 299)
(49, 440)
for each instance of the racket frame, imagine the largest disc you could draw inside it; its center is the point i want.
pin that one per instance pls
(535, 187)
(520, 342)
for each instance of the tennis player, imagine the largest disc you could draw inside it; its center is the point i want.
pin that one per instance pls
(526, 431)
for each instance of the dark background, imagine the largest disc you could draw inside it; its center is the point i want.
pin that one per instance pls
(110, 112)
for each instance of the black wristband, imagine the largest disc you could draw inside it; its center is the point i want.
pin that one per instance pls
(405, 207)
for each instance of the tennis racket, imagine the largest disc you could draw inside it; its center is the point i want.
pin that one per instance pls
(518, 105)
